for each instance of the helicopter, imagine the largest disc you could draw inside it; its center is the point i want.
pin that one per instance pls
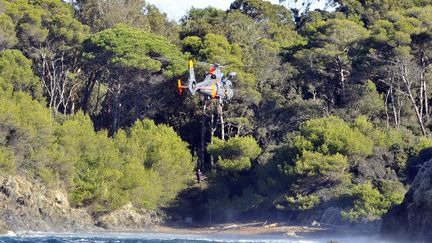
(214, 85)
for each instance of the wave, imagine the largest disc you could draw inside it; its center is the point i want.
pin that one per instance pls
(128, 237)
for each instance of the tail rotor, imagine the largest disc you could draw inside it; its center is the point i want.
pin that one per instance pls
(180, 87)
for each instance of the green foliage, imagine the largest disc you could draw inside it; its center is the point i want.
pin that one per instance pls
(159, 24)
(132, 64)
(338, 34)
(28, 130)
(105, 14)
(236, 153)
(322, 158)
(7, 160)
(98, 173)
(192, 44)
(331, 135)
(368, 202)
(366, 101)
(260, 10)
(303, 202)
(373, 11)
(380, 137)
(248, 39)
(17, 70)
(393, 191)
(26, 125)
(96, 162)
(423, 143)
(157, 148)
(200, 22)
(38, 21)
(101, 14)
(347, 88)
(315, 163)
(372, 202)
(217, 49)
(53, 18)
(7, 30)
(50, 36)
(127, 47)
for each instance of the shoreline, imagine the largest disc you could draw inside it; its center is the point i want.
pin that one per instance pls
(231, 229)
(252, 232)
(240, 229)
(258, 229)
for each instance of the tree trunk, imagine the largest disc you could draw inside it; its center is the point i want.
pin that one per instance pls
(394, 108)
(342, 77)
(424, 94)
(418, 113)
(54, 73)
(408, 86)
(99, 98)
(426, 101)
(386, 102)
(91, 81)
(115, 108)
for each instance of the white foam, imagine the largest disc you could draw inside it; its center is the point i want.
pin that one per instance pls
(211, 237)
(10, 233)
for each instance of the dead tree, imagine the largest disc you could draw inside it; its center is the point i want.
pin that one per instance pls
(58, 85)
(406, 79)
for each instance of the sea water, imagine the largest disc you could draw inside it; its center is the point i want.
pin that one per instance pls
(116, 237)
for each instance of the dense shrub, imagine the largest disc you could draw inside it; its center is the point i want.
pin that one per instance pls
(236, 153)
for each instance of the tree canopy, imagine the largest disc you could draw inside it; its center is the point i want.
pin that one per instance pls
(330, 108)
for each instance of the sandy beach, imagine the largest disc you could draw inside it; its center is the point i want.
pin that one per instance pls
(256, 228)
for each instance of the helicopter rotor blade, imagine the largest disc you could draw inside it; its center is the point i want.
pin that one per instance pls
(214, 64)
(204, 63)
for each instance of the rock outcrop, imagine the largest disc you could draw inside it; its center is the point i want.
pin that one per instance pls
(4, 228)
(413, 218)
(331, 217)
(127, 218)
(30, 206)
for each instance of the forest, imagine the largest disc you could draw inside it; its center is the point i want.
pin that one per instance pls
(330, 106)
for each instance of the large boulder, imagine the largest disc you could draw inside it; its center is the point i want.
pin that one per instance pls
(413, 218)
(128, 218)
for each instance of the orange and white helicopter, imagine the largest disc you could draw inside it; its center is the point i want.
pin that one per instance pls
(214, 85)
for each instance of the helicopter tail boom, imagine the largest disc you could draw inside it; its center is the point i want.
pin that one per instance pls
(213, 90)
(192, 81)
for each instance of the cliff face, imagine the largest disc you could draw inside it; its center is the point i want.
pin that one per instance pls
(30, 206)
(413, 218)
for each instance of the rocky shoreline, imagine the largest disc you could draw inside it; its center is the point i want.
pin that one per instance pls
(241, 232)
(412, 219)
(278, 230)
(27, 205)
(30, 206)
